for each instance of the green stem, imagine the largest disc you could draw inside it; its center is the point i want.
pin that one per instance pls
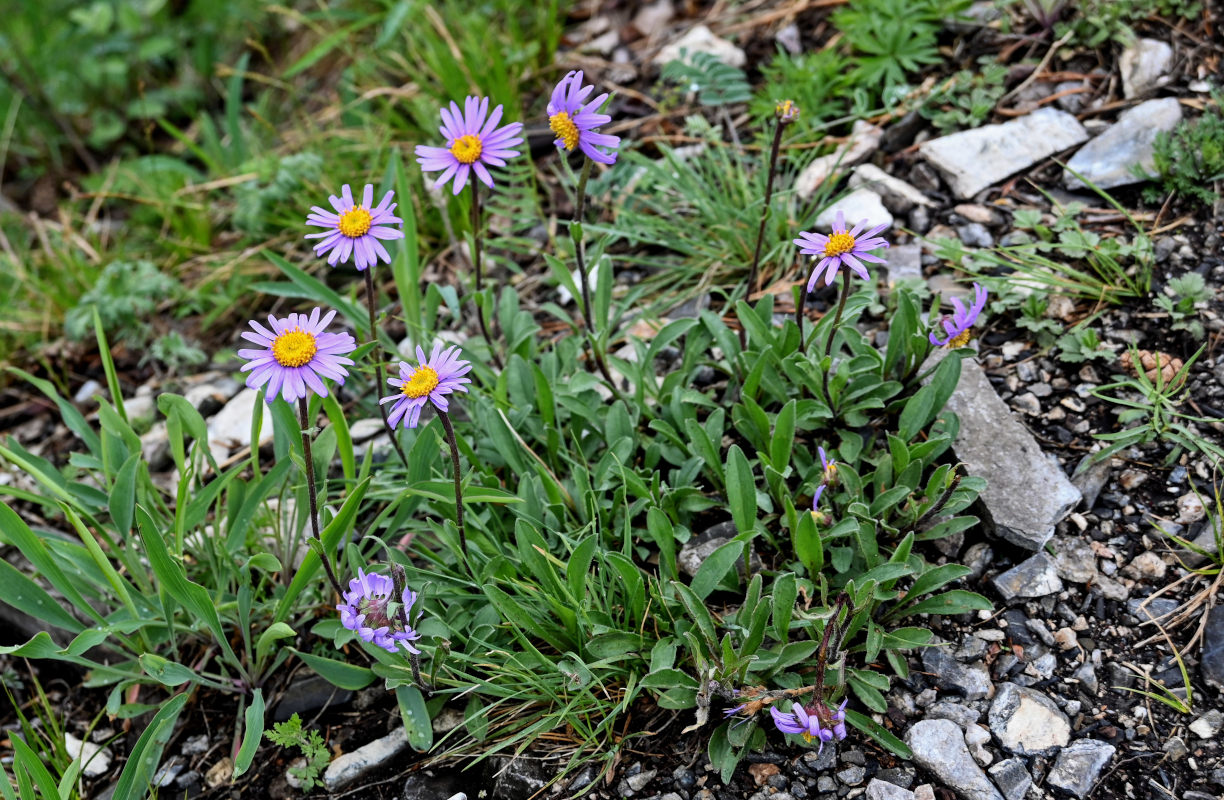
(476, 265)
(378, 370)
(769, 182)
(454, 448)
(579, 256)
(303, 415)
(841, 306)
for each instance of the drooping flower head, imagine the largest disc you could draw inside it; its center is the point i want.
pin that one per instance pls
(295, 354)
(828, 466)
(430, 381)
(816, 513)
(786, 111)
(368, 609)
(355, 229)
(573, 120)
(842, 248)
(817, 721)
(473, 143)
(962, 319)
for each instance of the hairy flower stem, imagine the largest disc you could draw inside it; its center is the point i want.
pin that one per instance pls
(400, 581)
(799, 304)
(576, 236)
(454, 448)
(756, 252)
(822, 653)
(476, 263)
(378, 370)
(303, 415)
(841, 306)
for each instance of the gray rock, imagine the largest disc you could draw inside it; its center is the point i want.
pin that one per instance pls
(1155, 609)
(860, 204)
(1110, 159)
(1033, 577)
(904, 263)
(95, 758)
(230, 429)
(696, 550)
(1211, 664)
(1078, 766)
(976, 739)
(1175, 748)
(863, 140)
(1142, 65)
(195, 745)
(880, 790)
(971, 682)
(346, 768)
(519, 777)
(1074, 560)
(1027, 722)
(1012, 778)
(939, 747)
(1026, 494)
(701, 39)
(1208, 725)
(155, 447)
(1090, 479)
(307, 695)
(636, 783)
(852, 776)
(961, 715)
(1086, 675)
(974, 159)
(975, 234)
(898, 196)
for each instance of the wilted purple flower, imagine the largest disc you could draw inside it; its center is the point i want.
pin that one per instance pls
(816, 501)
(802, 722)
(355, 229)
(786, 112)
(962, 320)
(842, 248)
(295, 355)
(369, 611)
(434, 378)
(573, 120)
(473, 143)
(839, 721)
(731, 712)
(828, 467)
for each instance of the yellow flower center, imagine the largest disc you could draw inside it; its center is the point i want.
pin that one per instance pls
(466, 149)
(807, 737)
(422, 382)
(294, 348)
(355, 222)
(839, 243)
(959, 340)
(564, 128)
(831, 473)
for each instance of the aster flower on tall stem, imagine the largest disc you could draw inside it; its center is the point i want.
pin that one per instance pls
(842, 248)
(360, 229)
(293, 356)
(474, 143)
(785, 113)
(377, 608)
(958, 324)
(429, 383)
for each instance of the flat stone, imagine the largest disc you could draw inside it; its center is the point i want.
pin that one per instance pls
(1090, 479)
(701, 39)
(230, 429)
(1012, 778)
(939, 747)
(881, 790)
(1110, 159)
(1086, 675)
(1074, 560)
(1033, 577)
(1211, 664)
(1208, 725)
(1027, 722)
(1156, 609)
(863, 140)
(1078, 766)
(976, 739)
(974, 159)
(1142, 65)
(949, 674)
(898, 196)
(346, 768)
(858, 205)
(960, 714)
(95, 758)
(364, 429)
(1026, 494)
(904, 263)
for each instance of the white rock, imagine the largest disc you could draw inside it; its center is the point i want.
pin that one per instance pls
(653, 18)
(898, 195)
(864, 139)
(563, 292)
(1027, 722)
(95, 759)
(1143, 65)
(140, 410)
(1110, 159)
(883, 790)
(87, 391)
(364, 429)
(858, 205)
(975, 159)
(230, 428)
(350, 766)
(701, 39)
(976, 738)
(1146, 566)
(1208, 725)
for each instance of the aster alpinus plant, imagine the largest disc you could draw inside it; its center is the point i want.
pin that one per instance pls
(474, 142)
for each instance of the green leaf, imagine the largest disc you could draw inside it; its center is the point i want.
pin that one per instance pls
(252, 735)
(145, 756)
(167, 673)
(714, 569)
(416, 717)
(741, 490)
(874, 731)
(123, 494)
(337, 673)
(340, 525)
(277, 630)
(957, 601)
(25, 595)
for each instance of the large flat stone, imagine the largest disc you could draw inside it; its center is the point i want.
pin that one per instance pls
(1143, 65)
(939, 748)
(1110, 159)
(975, 159)
(1078, 766)
(347, 768)
(1026, 493)
(1027, 722)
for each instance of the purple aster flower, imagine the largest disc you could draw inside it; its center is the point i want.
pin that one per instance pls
(839, 721)
(962, 319)
(786, 112)
(802, 722)
(828, 467)
(473, 143)
(355, 229)
(430, 381)
(842, 248)
(731, 712)
(295, 355)
(816, 500)
(367, 610)
(574, 121)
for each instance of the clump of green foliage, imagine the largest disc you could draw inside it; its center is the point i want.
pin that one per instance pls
(893, 38)
(1183, 298)
(1189, 160)
(966, 99)
(291, 734)
(716, 83)
(1098, 22)
(1082, 344)
(125, 295)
